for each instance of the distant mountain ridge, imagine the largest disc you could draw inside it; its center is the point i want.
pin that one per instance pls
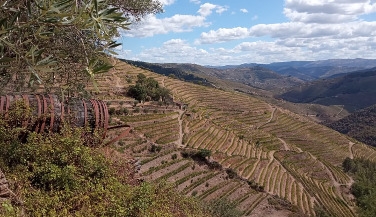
(256, 76)
(312, 70)
(354, 91)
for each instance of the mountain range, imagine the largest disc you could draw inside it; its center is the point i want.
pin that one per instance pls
(312, 70)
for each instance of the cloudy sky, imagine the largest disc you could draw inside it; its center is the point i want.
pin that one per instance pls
(224, 32)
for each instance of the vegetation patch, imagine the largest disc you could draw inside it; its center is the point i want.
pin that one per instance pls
(147, 89)
(57, 175)
(364, 188)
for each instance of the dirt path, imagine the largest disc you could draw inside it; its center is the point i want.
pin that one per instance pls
(287, 148)
(162, 82)
(181, 134)
(340, 110)
(271, 116)
(336, 184)
(270, 119)
(117, 81)
(351, 144)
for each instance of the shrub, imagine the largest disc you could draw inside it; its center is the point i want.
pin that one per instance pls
(174, 156)
(231, 173)
(155, 148)
(57, 175)
(125, 111)
(203, 153)
(214, 165)
(111, 111)
(223, 208)
(194, 193)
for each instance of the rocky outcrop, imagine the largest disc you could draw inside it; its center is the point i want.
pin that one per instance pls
(4, 189)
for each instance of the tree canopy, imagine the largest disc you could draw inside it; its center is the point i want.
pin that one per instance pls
(147, 89)
(62, 43)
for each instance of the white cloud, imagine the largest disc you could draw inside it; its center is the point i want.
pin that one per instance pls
(151, 25)
(174, 50)
(221, 9)
(222, 35)
(302, 30)
(244, 10)
(255, 17)
(207, 9)
(195, 1)
(327, 11)
(304, 25)
(167, 2)
(180, 51)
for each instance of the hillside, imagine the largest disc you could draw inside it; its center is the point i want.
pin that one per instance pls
(257, 149)
(360, 125)
(256, 76)
(169, 71)
(353, 91)
(229, 78)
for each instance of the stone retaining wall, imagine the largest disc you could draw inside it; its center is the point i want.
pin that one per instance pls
(4, 190)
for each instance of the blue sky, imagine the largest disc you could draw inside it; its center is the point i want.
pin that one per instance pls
(224, 32)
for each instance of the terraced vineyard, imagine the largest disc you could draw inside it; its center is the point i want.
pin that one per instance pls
(271, 151)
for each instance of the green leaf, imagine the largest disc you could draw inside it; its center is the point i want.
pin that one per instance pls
(102, 68)
(3, 21)
(96, 7)
(112, 52)
(28, 5)
(34, 75)
(46, 61)
(6, 59)
(3, 32)
(114, 44)
(14, 18)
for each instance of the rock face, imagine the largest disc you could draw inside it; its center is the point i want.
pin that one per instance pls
(4, 190)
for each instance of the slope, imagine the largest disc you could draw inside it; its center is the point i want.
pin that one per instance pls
(264, 145)
(360, 125)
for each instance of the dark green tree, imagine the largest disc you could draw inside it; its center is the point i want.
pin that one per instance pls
(147, 89)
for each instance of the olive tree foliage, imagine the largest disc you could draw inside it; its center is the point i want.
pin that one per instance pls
(62, 43)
